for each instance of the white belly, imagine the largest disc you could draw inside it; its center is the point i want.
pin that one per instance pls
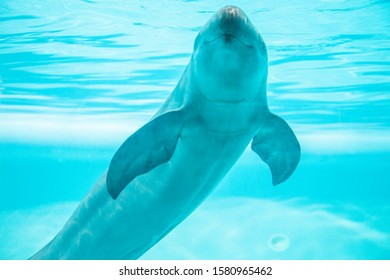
(151, 205)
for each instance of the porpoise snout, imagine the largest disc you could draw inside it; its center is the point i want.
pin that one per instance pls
(230, 23)
(231, 19)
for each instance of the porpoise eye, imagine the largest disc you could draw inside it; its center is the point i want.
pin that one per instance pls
(196, 43)
(263, 48)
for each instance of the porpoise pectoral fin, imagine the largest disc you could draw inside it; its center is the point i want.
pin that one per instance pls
(278, 146)
(151, 145)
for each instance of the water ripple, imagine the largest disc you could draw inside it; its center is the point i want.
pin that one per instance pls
(328, 59)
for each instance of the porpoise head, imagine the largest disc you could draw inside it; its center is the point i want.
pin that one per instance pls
(229, 62)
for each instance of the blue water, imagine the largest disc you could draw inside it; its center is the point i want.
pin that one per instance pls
(78, 77)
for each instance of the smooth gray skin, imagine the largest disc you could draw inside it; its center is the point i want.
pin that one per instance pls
(163, 171)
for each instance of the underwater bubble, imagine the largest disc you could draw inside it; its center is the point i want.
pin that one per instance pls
(279, 242)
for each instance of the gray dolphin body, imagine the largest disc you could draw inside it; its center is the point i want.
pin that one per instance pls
(164, 170)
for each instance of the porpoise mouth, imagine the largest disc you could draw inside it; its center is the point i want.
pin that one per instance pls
(228, 37)
(230, 24)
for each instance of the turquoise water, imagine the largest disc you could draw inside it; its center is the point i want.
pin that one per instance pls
(78, 77)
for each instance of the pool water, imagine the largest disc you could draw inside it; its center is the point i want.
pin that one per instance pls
(78, 77)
